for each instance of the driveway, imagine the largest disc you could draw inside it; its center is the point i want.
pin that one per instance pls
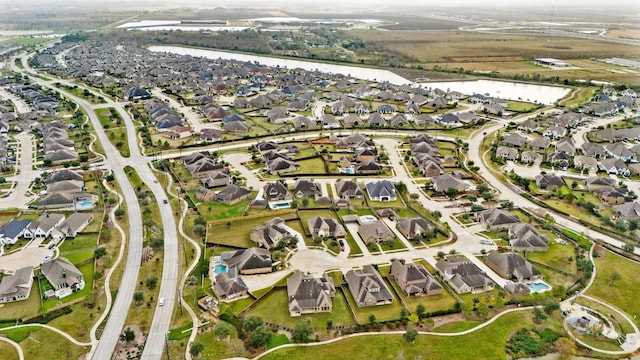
(353, 229)
(30, 256)
(236, 159)
(189, 114)
(392, 225)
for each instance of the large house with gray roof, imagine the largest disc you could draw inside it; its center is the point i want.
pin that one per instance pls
(63, 276)
(414, 280)
(270, 234)
(307, 294)
(43, 226)
(16, 287)
(375, 231)
(247, 261)
(367, 287)
(229, 288)
(512, 266)
(382, 190)
(463, 276)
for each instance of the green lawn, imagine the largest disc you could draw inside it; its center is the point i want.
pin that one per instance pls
(431, 303)
(8, 351)
(308, 214)
(310, 166)
(486, 343)
(457, 326)
(236, 234)
(623, 294)
(277, 340)
(387, 204)
(275, 309)
(520, 106)
(215, 210)
(87, 272)
(557, 256)
(213, 348)
(57, 347)
(80, 248)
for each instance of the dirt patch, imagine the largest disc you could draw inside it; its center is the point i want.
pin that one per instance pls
(133, 349)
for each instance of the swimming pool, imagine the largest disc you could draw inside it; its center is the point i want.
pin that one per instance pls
(538, 287)
(84, 204)
(219, 268)
(281, 205)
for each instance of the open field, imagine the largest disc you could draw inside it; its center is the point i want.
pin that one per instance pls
(491, 345)
(622, 293)
(508, 54)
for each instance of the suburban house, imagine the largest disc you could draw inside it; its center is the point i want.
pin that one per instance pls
(529, 157)
(413, 279)
(215, 180)
(229, 288)
(540, 144)
(507, 153)
(326, 228)
(277, 194)
(512, 266)
(307, 188)
(382, 190)
(43, 226)
(514, 140)
(496, 218)
(75, 223)
(444, 182)
(548, 182)
(375, 231)
(525, 237)
(205, 195)
(270, 234)
(627, 211)
(585, 163)
(63, 276)
(463, 276)
(16, 287)
(308, 295)
(247, 261)
(614, 166)
(368, 287)
(349, 189)
(232, 194)
(12, 230)
(410, 227)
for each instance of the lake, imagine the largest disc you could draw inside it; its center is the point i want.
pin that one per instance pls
(543, 94)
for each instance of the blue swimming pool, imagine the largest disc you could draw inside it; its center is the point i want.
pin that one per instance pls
(85, 204)
(538, 287)
(219, 268)
(281, 205)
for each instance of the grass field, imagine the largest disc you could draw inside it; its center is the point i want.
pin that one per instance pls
(557, 256)
(31, 340)
(80, 248)
(431, 303)
(8, 351)
(486, 343)
(458, 326)
(215, 210)
(274, 309)
(622, 293)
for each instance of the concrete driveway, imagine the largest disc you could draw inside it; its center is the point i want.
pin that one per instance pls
(236, 159)
(23, 177)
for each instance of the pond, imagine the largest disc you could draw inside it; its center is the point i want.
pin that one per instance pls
(543, 94)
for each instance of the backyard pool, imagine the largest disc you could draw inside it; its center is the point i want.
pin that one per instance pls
(281, 205)
(219, 268)
(539, 287)
(84, 204)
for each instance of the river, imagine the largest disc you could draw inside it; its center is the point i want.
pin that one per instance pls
(543, 94)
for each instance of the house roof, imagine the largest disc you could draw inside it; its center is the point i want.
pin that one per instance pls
(367, 285)
(413, 225)
(14, 227)
(497, 217)
(17, 285)
(348, 188)
(231, 193)
(308, 292)
(381, 188)
(74, 222)
(228, 286)
(63, 174)
(249, 259)
(61, 271)
(512, 264)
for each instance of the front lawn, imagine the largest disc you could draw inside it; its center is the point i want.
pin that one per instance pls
(558, 255)
(80, 248)
(216, 210)
(381, 312)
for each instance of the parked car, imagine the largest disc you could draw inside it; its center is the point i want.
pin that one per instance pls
(161, 302)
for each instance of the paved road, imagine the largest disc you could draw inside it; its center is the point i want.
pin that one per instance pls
(189, 114)
(168, 289)
(24, 176)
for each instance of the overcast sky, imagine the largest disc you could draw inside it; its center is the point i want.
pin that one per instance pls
(632, 5)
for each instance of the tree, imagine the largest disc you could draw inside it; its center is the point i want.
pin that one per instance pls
(305, 201)
(487, 196)
(259, 336)
(119, 213)
(128, 335)
(420, 310)
(539, 315)
(222, 330)
(482, 309)
(629, 247)
(151, 282)
(565, 348)
(200, 220)
(196, 349)
(199, 230)
(100, 252)
(410, 335)
(251, 323)
(615, 276)
(301, 332)
(574, 184)
(401, 187)
(372, 319)
(441, 254)
(507, 204)
(138, 297)
(157, 243)
(452, 193)
(403, 313)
